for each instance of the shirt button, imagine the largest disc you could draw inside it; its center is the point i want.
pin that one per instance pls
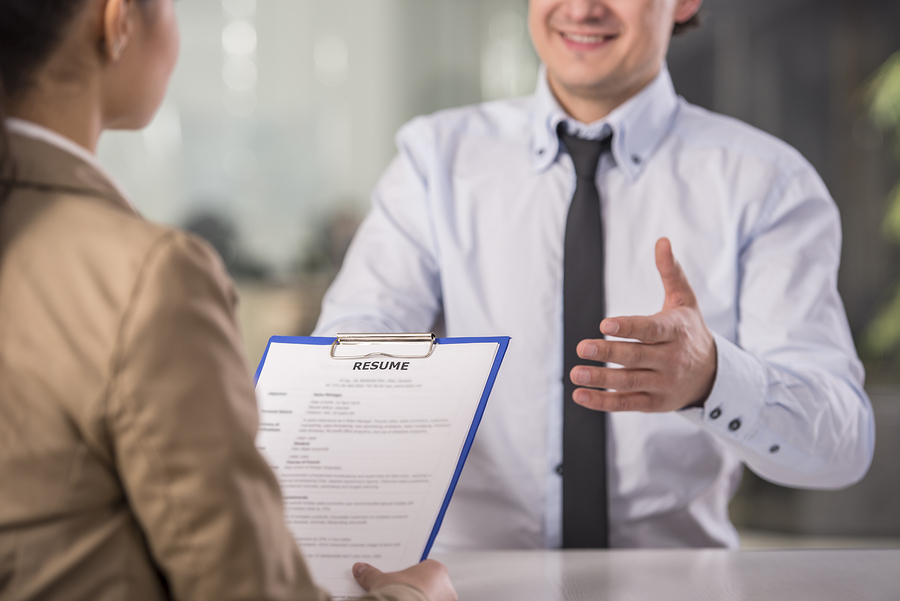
(635, 159)
(774, 448)
(734, 425)
(559, 469)
(715, 413)
(540, 151)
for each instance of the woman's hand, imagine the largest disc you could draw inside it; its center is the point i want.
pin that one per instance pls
(430, 577)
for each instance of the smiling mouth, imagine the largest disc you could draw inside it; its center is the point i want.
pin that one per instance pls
(581, 38)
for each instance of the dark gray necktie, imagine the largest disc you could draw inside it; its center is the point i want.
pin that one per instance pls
(585, 512)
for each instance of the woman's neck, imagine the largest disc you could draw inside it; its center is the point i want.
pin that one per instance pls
(68, 109)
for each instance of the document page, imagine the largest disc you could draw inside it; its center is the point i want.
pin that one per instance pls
(366, 449)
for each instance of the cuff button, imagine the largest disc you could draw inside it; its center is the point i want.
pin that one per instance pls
(559, 469)
(774, 448)
(715, 413)
(734, 425)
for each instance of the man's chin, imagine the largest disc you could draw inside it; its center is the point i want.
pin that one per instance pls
(584, 82)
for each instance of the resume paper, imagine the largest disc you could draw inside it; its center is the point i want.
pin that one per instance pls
(367, 450)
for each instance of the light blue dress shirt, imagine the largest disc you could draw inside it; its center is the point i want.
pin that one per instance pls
(468, 222)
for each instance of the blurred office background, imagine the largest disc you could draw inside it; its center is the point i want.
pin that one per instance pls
(281, 116)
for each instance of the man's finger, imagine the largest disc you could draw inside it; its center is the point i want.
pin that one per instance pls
(653, 328)
(629, 354)
(678, 290)
(605, 400)
(367, 576)
(622, 380)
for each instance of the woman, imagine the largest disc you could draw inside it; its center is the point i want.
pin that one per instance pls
(127, 417)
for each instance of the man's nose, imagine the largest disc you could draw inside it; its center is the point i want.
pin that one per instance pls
(584, 10)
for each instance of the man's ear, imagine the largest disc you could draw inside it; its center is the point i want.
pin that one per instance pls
(685, 9)
(117, 27)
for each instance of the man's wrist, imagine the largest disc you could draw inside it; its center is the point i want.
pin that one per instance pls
(711, 380)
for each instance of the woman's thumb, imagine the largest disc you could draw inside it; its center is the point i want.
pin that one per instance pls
(366, 575)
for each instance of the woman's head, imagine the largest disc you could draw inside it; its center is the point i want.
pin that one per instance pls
(108, 61)
(141, 39)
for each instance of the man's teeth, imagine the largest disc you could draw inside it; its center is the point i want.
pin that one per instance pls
(584, 39)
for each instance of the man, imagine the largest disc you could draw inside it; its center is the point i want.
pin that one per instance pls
(539, 217)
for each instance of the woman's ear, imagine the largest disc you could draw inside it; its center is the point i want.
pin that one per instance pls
(118, 23)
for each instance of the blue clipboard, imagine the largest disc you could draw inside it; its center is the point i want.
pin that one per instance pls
(501, 341)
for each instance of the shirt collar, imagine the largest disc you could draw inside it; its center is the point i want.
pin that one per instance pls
(29, 129)
(638, 126)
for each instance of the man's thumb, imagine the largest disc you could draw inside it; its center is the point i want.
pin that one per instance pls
(678, 290)
(366, 575)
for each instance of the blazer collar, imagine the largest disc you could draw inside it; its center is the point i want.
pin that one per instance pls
(638, 126)
(42, 163)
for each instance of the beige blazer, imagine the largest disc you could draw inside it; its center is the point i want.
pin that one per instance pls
(128, 469)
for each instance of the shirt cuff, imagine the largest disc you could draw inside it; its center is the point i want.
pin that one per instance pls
(733, 408)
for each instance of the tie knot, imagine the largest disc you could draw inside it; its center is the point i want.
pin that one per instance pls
(585, 153)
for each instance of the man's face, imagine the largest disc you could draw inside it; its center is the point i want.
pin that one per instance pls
(604, 48)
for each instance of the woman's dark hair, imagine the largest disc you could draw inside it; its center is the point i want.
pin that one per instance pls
(7, 168)
(29, 32)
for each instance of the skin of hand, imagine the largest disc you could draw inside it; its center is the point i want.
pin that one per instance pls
(671, 367)
(430, 577)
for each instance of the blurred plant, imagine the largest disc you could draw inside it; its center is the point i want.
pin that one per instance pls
(883, 94)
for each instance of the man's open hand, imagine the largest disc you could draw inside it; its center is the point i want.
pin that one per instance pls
(673, 365)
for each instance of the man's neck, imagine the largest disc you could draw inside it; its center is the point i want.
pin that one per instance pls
(590, 105)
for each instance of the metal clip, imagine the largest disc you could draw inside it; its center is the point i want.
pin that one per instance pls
(402, 341)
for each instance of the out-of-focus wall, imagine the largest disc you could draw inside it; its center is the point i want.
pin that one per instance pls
(281, 114)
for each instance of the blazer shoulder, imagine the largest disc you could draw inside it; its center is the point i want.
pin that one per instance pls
(77, 219)
(84, 221)
(187, 266)
(70, 238)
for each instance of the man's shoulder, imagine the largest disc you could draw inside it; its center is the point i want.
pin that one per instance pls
(498, 119)
(703, 130)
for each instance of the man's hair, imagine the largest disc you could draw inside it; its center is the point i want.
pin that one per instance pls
(692, 23)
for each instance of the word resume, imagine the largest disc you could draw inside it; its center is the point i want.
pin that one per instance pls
(367, 450)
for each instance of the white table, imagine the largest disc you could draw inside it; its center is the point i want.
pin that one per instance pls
(676, 575)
